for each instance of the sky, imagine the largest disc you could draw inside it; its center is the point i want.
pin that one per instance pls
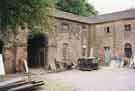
(108, 6)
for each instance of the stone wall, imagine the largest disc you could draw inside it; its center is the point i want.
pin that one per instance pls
(67, 45)
(115, 38)
(14, 49)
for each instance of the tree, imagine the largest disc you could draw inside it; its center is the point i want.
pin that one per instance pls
(79, 7)
(17, 12)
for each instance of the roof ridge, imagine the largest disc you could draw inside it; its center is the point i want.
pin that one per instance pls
(114, 16)
(126, 10)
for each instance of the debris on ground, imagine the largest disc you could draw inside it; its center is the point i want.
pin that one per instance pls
(20, 84)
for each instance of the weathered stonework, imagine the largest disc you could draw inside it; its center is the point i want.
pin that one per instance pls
(74, 36)
(8, 55)
(74, 33)
(114, 31)
(14, 49)
(115, 39)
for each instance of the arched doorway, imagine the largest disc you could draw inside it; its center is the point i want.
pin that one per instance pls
(128, 50)
(37, 51)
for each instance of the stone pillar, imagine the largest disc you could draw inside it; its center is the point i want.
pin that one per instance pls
(92, 40)
(21, 56)
(8, 59)
(52, 48)
(21, 48)
(52, 57)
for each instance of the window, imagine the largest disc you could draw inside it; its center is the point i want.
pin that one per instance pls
(128, 50)
(65, 27)
(83, 27)
(127, 27)
(106, 48)
(107, 29)
(65, 51)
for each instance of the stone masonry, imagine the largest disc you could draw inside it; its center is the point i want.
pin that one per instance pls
(73, 38)
(14, 49)
(67, 47)
(116, 37)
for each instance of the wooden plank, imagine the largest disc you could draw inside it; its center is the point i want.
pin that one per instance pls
(15, 80)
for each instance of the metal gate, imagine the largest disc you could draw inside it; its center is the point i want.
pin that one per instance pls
(37, 51)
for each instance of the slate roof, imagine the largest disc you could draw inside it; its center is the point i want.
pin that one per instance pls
(72, 17)
(126, 14)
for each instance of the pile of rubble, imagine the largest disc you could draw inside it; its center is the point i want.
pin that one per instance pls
(20, 84)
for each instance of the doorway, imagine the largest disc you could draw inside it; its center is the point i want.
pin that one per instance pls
(128, 50)
(37, 51)
(107, 55)
(1, 47)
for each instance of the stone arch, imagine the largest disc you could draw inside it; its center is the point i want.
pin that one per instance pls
(128, 49)
(128, 45)
(125, 42)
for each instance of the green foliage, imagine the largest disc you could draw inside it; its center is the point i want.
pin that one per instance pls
(79, 7)
(32, 12)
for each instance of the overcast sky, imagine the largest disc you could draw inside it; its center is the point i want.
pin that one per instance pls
(108, 6)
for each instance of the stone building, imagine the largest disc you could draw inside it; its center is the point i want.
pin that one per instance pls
(109, 35)
(63, 46)
(113, 34)
(74, 37)
(69, 41)
(56, 50)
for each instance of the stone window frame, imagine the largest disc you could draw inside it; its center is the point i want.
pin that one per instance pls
(65, 25)
(65, 51)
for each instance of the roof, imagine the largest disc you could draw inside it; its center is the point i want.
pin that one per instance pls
(126, 14)
(72, 17)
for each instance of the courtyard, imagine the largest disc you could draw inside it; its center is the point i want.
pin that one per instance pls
(105, 79)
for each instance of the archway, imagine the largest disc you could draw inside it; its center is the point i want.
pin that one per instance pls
(128, 50)
(37, 51)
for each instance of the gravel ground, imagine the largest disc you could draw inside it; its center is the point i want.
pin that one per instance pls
(50, 84)
(105, 79)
